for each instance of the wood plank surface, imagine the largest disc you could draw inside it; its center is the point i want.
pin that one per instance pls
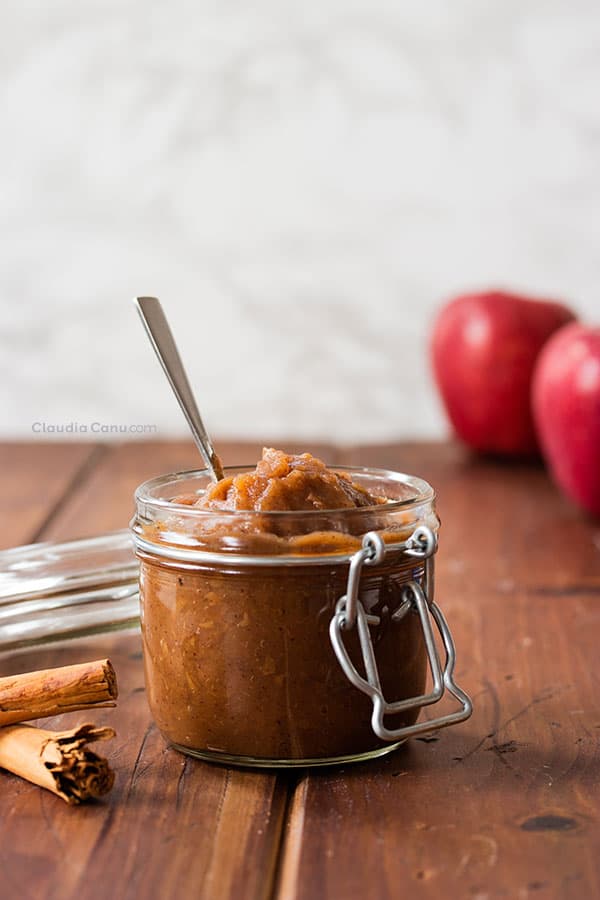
(505, 805)
(173, 826)
(34, 480)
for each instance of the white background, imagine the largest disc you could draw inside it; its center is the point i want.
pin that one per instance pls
(301, 183)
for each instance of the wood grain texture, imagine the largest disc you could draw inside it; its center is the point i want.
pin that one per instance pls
(505, 805)
(34, 479)
(172, 826)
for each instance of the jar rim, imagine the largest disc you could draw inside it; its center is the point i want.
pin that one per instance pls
(146, 494)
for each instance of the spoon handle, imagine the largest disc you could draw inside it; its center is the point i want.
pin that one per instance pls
(156, 325)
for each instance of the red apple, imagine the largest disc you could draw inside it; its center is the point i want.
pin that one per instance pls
(566, 406)
(484, 349)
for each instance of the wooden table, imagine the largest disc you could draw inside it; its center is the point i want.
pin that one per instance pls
(505, 805)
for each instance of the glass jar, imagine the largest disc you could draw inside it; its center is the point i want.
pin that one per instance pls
(68, 590)
(273, 638)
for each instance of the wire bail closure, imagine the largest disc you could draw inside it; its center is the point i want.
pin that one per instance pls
(350, 613)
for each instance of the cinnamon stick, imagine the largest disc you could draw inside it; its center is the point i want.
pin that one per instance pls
(51, 692)
(58, 760)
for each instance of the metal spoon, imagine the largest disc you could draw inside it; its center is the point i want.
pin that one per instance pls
(163, 342)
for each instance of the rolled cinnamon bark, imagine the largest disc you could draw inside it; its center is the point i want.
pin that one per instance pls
(51, 692)
(58, 760)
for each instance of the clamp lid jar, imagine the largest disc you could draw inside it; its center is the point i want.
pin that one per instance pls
(291, 637)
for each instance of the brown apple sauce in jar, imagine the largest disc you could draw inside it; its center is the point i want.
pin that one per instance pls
(239, 583)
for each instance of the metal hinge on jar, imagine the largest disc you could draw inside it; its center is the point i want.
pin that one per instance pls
(350, 613)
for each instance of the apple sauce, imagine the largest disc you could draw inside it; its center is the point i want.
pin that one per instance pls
(239, 580)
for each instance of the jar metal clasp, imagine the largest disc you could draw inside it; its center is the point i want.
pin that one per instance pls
(350, 613)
